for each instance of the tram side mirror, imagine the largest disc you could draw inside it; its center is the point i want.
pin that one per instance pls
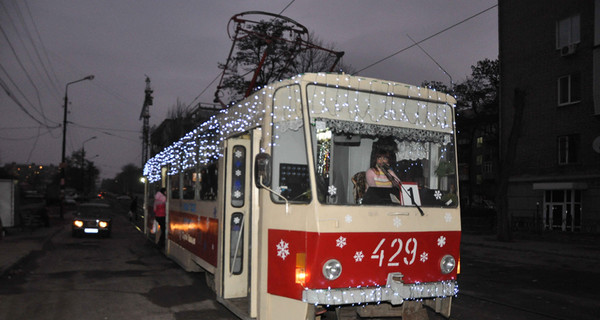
(262, 170)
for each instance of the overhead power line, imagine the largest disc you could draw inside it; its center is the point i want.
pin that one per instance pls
(44, 51)
(24, 71)
(12, 96)
(27, 35)
(431, 36)
(289, 4)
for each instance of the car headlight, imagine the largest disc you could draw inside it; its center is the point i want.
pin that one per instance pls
(103, 224)
(78, 223)
(332, 269)
(447, 264)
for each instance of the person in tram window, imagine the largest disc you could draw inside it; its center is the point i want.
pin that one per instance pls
(382, 182)
(376, 175)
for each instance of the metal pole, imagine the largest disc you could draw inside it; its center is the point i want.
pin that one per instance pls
(64, 138)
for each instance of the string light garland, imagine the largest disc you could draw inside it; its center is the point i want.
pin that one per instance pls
(354, 103)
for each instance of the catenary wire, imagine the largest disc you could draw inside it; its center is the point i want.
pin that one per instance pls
(44, 51)
(425, 39)
(23, 68)
(53, 85)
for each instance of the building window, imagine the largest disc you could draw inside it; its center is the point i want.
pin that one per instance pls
(486, 167)
(567, 32)
(567, 149)
(569, 89)
(562, 210)
(479, 142)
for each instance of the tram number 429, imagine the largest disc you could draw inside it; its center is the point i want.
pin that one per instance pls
(398, 247)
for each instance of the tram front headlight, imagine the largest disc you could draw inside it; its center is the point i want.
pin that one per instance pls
(332, 269)
(447, 264)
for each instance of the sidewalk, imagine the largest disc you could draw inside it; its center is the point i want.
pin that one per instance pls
(573, 251)
(19, 242)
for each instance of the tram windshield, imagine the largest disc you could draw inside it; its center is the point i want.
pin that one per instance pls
(360, 161)
(368, 149)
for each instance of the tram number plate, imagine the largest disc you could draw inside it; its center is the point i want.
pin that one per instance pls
(398, 250)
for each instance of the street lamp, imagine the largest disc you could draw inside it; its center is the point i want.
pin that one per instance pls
(82, 164)
(62, 159)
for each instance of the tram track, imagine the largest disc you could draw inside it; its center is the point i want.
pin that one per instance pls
(528, 311)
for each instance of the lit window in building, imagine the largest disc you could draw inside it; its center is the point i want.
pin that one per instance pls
(479, 142)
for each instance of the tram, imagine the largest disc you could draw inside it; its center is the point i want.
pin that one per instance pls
(271, 198)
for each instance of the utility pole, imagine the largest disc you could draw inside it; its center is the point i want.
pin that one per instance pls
(63, 165)
(145, 116)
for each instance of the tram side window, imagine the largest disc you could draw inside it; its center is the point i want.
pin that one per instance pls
(189, 184)
(290, 168)
(153, 189)
(174, 194)
(290, 160)
(208, 181)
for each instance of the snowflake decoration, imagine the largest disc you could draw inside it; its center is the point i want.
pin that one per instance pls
(448, 217)
(283, 249)
(238, 172)
(236, 220)
(441, 241)
(397, 222)
(358, 256)
(340, 242)
(237, 194)
(332, 190)
(438, 195)
(348, 218)
(424, 256)
(238, 154)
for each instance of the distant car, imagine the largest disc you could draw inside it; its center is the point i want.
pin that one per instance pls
(124, 198)
(92, 218)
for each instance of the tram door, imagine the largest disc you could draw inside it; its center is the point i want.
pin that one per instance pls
(236, 220)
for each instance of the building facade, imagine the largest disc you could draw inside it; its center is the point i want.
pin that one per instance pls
(550, 112)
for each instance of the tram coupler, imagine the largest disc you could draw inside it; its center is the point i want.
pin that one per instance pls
(395, 282)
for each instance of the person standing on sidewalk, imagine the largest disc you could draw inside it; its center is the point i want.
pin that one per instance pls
(133, 209)
(160, 201)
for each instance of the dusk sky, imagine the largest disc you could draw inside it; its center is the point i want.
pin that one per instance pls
(178, 44)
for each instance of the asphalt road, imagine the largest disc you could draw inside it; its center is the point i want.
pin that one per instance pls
(127, 277)
(121, 277)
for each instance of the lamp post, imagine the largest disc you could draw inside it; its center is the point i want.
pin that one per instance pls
(62, 159)
(82, 163)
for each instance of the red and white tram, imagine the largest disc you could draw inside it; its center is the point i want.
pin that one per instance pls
(270, 199)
